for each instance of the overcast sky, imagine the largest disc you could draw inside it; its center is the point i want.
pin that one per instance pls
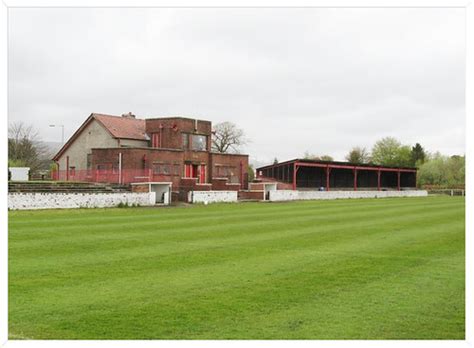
(317, 80)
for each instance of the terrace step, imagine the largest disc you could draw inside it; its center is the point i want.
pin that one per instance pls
(51, 187)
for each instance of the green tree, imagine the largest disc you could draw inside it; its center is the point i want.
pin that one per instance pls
(251, 173)
(275, 160)
(358, 155)
(404, 158)
(326, 158)
(456, 169)
(311, 156)
(385, 151)
(16, 163)
(442, 171)
(418, 155)
(389, 151)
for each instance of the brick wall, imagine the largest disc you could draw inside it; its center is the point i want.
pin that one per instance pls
(140, 188)
(258, 195)
(143, 158)
(171, 130)
(233, 167)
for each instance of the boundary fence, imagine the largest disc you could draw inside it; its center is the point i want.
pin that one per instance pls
(449, 192)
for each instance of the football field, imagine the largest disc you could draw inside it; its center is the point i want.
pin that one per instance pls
(346, 269)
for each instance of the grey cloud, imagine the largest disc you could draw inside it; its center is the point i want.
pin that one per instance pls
(318, 80)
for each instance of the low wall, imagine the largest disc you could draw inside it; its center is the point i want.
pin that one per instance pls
(212, 196)
(26, 201)
(247, 194)
(290, 195)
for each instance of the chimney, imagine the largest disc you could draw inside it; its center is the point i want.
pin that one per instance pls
(128, 115)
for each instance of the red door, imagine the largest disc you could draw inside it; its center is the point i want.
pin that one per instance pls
(188, 170)
(202, 176)
(195, 172)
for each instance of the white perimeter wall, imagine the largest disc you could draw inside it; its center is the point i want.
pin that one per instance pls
(290, 195)
(212, 196)
(26, 201)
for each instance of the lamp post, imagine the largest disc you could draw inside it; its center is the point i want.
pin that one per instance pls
(62, 131)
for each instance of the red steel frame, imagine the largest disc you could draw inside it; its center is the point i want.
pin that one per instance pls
(354, 168)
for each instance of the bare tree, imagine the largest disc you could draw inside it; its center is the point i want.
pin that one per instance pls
(227, 137)
(25, 147)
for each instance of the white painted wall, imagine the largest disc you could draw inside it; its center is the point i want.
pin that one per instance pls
(161, 190)
(212, 196)
(267, 187)
(290, 195)
(27, 201)
(19, 173)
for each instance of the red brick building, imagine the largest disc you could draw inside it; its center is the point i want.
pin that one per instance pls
(125, 150)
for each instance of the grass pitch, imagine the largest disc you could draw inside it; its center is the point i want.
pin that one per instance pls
(346, 269)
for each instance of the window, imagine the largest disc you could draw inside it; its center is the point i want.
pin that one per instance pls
(185, 140)
(102, 168)
(155, 140)
(162, 169)
(199, 142)
(115, 168)
(188, 170)
(225, 170)
(89, 161)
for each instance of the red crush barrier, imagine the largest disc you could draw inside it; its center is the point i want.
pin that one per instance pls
(125, 176)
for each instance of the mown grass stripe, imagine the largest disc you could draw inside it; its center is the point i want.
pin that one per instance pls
(293, 270)
(212, 237)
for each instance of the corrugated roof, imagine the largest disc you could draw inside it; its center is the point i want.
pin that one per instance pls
(123, 127)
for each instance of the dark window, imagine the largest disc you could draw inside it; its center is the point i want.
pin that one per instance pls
(225, 171)
(199, 142)
(89, 161)
(185, 138)
(162, 169)
(102, 168)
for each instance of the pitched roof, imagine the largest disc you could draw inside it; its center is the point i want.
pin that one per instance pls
(118, 127)
(123, 127)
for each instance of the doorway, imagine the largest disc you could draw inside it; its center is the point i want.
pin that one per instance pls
(162, 192)
(197, 171)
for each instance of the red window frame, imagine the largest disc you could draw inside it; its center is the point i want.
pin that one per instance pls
(202, 174)
(155, 140)
(188, 170)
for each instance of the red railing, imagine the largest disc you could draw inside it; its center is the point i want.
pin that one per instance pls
(124, 176)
